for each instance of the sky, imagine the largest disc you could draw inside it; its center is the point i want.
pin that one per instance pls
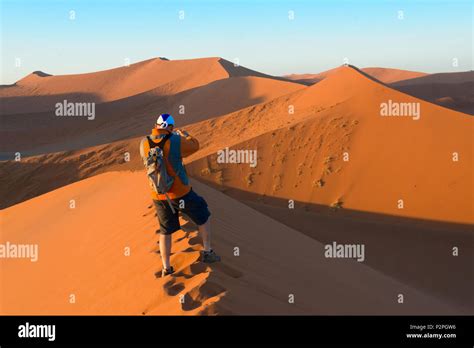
(272, 36)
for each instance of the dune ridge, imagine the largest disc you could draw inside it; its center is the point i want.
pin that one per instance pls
(39, 91)
(385, 75)
(216, 90)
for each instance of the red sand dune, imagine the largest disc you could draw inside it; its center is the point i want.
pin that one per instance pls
(457, 77)
(168, 76)
(82, 253)
(451, 90)
(311, 79)
(300, 157)
(386, 75)
(40, 92)
(225, 96)
(192, 90)
(390, 158)
(349, 120)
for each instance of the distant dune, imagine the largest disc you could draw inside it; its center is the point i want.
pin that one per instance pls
(451, 90)
(310, 79)
(385, 75)
(392, 75)
(129, 99)
(40, 91)
(168, 76)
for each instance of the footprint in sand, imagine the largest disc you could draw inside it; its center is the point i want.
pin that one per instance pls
(186, 236)
(196, 297)
(195, 240)
(189, 250)
(173, 288)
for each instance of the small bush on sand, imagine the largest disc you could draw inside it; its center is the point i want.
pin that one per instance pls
(205, 172)
(219, 178)
(337, 204)
(249, 179)
(319, 183)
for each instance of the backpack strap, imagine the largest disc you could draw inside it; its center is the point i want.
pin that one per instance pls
(161, 144)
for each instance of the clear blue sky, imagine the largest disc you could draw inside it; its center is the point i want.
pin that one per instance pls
(258, 32)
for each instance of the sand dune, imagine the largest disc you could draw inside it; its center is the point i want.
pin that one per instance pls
(72, 165)
(390, 158)
(310, 79)
(458, 77)
(213, 94)
(52, 171)
(385, 75)
(40, 92)
(82, 258)
(168, 76)
(358, 201)
(451, 90)
(225, 96)
(312, 142)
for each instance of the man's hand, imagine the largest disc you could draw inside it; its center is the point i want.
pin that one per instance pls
(183, 133)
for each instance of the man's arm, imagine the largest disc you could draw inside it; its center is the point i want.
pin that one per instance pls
(189, 144)
(144, 148)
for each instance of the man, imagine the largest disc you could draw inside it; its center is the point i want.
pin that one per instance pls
(180, 196)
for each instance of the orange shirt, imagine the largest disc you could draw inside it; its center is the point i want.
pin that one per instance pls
(189, 145)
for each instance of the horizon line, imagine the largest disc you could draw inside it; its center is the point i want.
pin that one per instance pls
(162, 58)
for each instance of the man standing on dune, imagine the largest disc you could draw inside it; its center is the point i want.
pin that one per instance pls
(175, 145)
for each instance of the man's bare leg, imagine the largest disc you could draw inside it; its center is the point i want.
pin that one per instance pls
(165, 250)
(205, 231)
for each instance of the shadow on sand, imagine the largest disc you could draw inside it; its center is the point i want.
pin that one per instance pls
(416, 252)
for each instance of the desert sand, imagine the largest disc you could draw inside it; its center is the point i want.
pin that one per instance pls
(82, 254)
(324, 146)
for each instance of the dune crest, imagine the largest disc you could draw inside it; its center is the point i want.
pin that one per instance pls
(192, 90)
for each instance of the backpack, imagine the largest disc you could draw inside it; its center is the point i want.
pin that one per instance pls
(158, 176)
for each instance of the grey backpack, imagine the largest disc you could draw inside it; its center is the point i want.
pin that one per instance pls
(158, 176)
